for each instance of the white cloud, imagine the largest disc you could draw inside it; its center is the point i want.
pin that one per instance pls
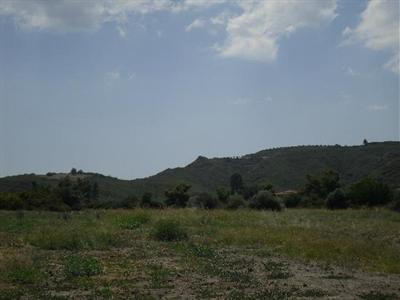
(350, 71)
(393, 64)
(221, 19)
(255, 33)
(71, 15)
(378, 30)
(114, 75)
(121, 31)
(378, 107)
(131, 76)
(198, 23)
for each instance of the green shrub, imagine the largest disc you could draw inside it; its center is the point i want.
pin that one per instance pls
(133, 222)
(369, 192)
(337, 200)
(168, 230)
(177, 196)
(235, 201)
(147, 201)
(22, 270)
(265, 200)
(70, 238)
(312, 201)
(203, 200)
(322, 185)
(11, 201)
(130, 202)
(292, 200)
(82, 266)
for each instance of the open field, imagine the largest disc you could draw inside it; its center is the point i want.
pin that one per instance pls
(200, 254)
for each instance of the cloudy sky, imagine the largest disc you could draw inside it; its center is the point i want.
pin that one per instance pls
(129, 88)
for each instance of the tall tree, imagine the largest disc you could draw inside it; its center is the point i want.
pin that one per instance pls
(236, 183)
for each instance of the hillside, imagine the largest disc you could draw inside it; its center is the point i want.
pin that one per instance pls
(286, 168)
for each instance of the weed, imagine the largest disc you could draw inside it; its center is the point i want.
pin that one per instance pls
(133, 222)
(159, 276)
(76, 266)
(70, 238)
(22, 270)
(168, 230)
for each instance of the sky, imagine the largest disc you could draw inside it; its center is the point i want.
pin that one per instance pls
(130, 88)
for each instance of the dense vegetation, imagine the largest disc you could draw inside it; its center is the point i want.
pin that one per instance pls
(320, 191)
(365, 175)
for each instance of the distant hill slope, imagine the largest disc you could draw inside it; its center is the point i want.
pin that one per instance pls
(286, 168)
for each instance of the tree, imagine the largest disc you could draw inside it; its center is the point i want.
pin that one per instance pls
(178, 196)
(321, 186)
(147, 200)
(369, 192)
(205, 200)
(337, 200)
(223, 194)
(130, 202)
(236, 182)
(265, 200)
(73, 171)
(95, 191)
(365, 142)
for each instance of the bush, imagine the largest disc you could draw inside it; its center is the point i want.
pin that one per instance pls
(203, 200)
(292, 200)
(312, 201)
(147, 201)
(130, 202)
(168, 230)
(369, 192)
(223, 194)
(178, 196)
(322, 185)
(82, 266)
(235, 201)
(22, 270)
(11, 201)
(265, 200)
(337, 200)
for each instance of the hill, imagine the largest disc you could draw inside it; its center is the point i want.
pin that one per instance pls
(286, 168)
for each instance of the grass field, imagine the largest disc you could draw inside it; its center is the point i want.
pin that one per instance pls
(199, 254)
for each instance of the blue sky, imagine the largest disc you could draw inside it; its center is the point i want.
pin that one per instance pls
(129, 88)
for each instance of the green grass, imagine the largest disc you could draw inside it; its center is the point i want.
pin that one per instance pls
(211, 253)
(76, 265)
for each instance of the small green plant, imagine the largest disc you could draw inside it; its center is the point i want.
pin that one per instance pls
(76, 266)
(133, 222)
(159, 276)
(23, 272)
(168, 230)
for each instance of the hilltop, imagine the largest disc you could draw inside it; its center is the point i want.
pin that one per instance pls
(285, 168)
